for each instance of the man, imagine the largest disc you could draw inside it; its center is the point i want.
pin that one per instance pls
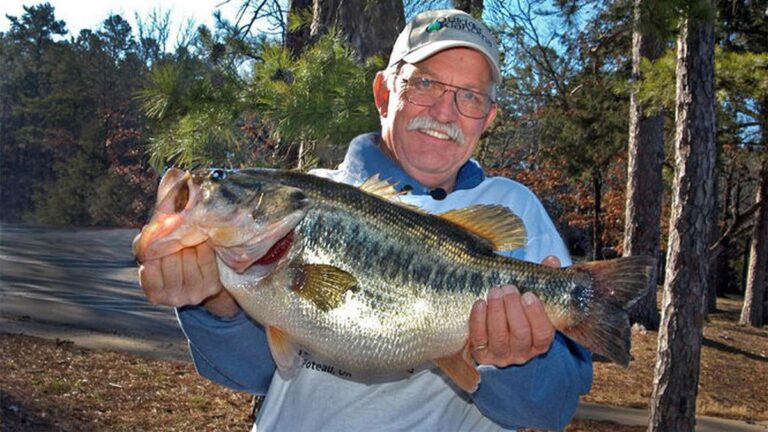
(434, 99)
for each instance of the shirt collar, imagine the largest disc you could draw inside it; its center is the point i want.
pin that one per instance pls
(365, 158)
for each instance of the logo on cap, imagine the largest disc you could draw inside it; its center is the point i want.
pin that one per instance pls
(460, 23)
(435, 26)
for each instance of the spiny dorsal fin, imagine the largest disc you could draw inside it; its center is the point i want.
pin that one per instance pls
(325, 285)
(386, 190)
(493, 222)
(376, 186)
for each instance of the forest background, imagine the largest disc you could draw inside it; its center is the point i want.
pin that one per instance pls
(89, 121)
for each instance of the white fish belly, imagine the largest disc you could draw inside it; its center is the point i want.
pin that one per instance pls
(371, 330)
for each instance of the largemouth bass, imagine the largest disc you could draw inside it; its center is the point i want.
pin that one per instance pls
(372, 285)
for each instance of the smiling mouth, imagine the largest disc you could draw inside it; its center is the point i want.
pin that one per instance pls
(435, 134)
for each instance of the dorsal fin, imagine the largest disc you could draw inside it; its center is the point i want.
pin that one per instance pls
(383, 188)
(324, 285)
(493, 222)
(386, 190)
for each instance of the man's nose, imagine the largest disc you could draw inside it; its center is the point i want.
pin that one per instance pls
(445, 110)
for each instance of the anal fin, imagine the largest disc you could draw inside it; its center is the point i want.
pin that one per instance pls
(460, 368)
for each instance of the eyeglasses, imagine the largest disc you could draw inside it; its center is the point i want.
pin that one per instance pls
(426, 92)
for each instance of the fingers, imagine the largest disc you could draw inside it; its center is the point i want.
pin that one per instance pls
(173, 276)
(151, 280)
(519, 327)
(498, 330)
(194, 289)
(187, 277)
(509, 328)
(478, 333)
(208, 285)
(206, 260)
(191, 272)
(551, 261)
(542, 332)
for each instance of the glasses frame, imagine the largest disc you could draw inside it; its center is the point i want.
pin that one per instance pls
(446, 88)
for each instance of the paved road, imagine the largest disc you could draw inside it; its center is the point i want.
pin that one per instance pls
(80, 285)
(78, 280)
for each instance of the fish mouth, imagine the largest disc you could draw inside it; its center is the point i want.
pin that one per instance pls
(176, 225)
(277, 251)
(265, 248)
(167, 233)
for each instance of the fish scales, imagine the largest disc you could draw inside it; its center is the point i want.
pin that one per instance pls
(345, 217)
(372, 285)
(407, 311)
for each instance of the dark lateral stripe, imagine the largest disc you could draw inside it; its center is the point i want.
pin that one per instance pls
(228, 193)
(245, 182)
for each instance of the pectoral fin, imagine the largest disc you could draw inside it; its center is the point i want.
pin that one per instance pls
(284, 351)
(324, 285)
(460, 369)
(495, 223)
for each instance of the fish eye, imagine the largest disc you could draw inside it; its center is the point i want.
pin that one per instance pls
(217, 175)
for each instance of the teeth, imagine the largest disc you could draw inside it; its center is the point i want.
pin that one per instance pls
(435, 134)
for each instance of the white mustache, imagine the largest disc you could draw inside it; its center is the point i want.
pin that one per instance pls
(450, 129)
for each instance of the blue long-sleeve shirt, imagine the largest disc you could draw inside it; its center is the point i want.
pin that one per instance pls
(542, 393)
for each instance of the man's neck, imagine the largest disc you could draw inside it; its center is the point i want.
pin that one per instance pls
(436, 183)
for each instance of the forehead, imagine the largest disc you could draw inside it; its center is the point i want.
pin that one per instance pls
(463, 67)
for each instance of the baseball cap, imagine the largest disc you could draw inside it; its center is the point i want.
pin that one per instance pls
(433, 31)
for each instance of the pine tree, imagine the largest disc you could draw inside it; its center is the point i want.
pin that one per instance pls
(676, 377)
(646, 156)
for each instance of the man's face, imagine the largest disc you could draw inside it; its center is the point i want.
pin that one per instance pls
(419, 138)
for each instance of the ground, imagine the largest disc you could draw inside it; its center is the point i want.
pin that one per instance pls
(733, 377)
(54, 385)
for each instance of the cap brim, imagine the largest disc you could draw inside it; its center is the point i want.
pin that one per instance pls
(433, 48)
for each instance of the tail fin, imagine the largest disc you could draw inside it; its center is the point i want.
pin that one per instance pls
(617, 284)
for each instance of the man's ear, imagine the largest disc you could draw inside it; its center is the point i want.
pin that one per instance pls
(490, 117)
(381, 93)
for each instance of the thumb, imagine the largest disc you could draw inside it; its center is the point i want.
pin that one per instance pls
(551, 261)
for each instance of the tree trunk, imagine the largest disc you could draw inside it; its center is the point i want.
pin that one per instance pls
(676, 377)
(472, 7)
(297, 40)
(644, 182)
(597, 226)
(742, 288)
(718, 270)
(710, 296)
(370, 27)
(754, 294)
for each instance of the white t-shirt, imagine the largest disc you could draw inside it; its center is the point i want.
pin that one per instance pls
(422, 400)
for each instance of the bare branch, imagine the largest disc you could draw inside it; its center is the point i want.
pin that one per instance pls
(740, 223)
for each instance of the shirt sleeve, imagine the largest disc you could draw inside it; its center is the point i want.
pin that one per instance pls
(542, 393)
(229, 351)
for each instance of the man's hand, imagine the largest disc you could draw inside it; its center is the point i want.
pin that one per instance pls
(509, 328)
(187, 278)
